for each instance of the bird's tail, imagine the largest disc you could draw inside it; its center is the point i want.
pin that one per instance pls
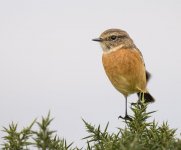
(148, 98)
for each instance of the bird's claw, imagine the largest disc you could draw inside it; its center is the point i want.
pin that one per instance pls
(126, 118)
(137, 103)
(133, 104)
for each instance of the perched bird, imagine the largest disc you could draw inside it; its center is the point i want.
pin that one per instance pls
(124, 65)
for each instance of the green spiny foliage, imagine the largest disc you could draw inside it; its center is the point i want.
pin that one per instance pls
(43, 138)
(15, 140)
(139, 134)
(46, 138)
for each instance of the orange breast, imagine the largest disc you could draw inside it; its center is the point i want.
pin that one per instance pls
(126, 71)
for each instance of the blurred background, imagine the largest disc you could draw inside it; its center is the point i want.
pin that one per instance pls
(48, 61)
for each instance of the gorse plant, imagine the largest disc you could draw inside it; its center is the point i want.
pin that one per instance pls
(139, 134)
(17, 140)
(43, 138)
(46, 139)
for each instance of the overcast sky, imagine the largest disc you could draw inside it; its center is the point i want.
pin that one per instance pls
(48, 61)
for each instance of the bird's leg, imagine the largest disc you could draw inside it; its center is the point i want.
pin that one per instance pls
(142, 99)
(140, 96)
(126, 113)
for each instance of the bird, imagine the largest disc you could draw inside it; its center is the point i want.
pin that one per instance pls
(124, 65)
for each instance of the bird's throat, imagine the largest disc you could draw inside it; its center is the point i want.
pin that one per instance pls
(107, 51)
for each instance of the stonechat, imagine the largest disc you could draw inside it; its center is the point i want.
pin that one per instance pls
(124, 65)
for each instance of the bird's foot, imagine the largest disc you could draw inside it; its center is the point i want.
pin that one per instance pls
(137, 103)
(126, 117)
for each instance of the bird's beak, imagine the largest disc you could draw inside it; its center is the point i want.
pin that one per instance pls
(97, 40)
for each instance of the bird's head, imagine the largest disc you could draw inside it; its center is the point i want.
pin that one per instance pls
(114, 38)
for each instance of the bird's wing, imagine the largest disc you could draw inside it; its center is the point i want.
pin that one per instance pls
(148, 75)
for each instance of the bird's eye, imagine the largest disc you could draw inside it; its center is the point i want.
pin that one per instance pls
(113, 37)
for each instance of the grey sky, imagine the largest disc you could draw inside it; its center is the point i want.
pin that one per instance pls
(48, 61)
